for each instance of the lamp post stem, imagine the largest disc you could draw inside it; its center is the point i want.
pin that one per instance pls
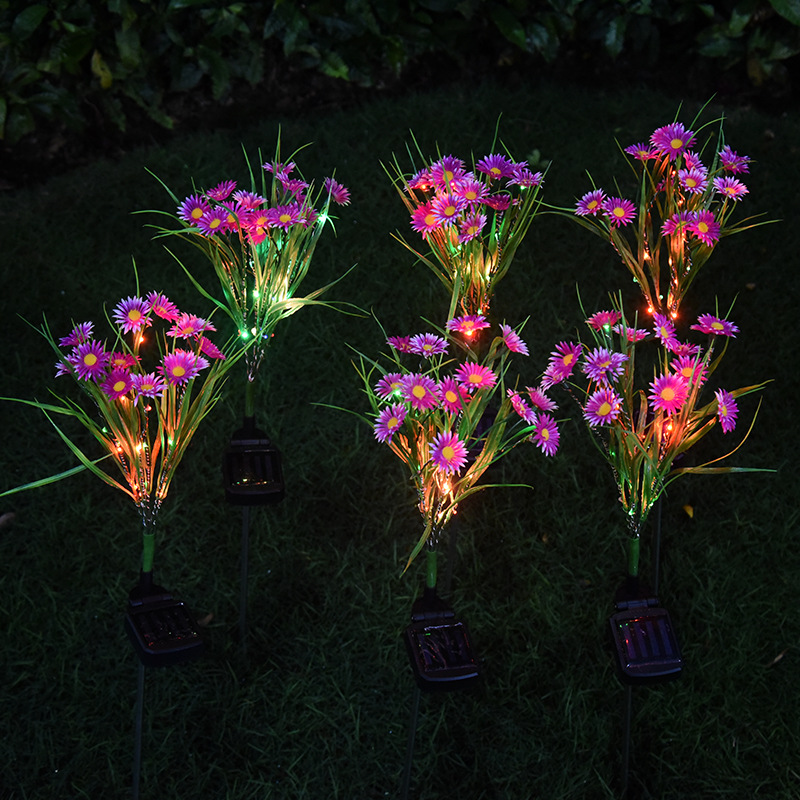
(626, 740)
(657, 548)
(137, 736)
(412, 732)
(244, 568)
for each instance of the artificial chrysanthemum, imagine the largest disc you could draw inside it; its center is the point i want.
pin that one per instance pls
(447, 171)
(602, 408)
(732, 161)
(726, 410)
(388, 421)
(591, 203)
(189, 325)
(677, 223)
(427, 345)
(80, 334)
(641, 151)
(208, 348)
(162, 306)
(540, 400)
(690, 368)
(603, 366)
(420, 391)
(90, 360)
(121, 360)
(423, 220)
(521, 407)
(339, 194)
(631, 334)
(148, 384)
(564, 358)
(672, 139)
(619, 211)
(389, 385)
(668, 393)
(284, 216)
(731, 188)
(693, 181)
(496, 166)
(471, 227)
(467, 324)
(546, 435)
(604, 319)
(215, 220)
(117, 384)
(131, 314)
(400, 343)
(192, 209)
(475, 376)
(446, 208)
(513, 341)
(705, 227)
(452, 396)
(708, 323)
(471, 190)
(665, 330)
(222, 191)
(448, 452)
(182, 366)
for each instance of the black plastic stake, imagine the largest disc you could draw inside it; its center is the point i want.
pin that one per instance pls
(244, 567)
(137, 736)
(626, 739)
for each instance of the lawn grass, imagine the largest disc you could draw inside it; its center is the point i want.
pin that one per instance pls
(320, 705)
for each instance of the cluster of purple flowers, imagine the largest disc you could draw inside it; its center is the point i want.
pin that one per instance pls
(448, 196)
(690, 184)
(224, 208)
(409, 392)
(119, 374)
(668, 393)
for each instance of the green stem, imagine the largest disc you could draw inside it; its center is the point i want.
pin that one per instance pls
(249, 398)
(633, 556)
(148, 550)
(430, 565)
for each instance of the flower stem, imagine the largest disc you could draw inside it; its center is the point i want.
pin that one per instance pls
(249, 398)
(148, 549)
(430, 568)
(633, 556)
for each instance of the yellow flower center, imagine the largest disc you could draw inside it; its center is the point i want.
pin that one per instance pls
(604, 409)
(496, 171)
(702, 227)
(430, 219)
(392, 423)
(545, 434)
(90, 359)
(668, 393)
(418, 392)
(285, 218)
(450, 396)
(449, 211)
(178, 371)
(119, 386)
(134, 315)
(717, 326)
(197, 213)
(448, 453)
(568, 359)
(215, 223)
(676, 144)
(618, 211)
(592, 205)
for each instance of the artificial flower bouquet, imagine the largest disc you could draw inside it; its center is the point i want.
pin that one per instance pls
(435, 405)
(149, 385)
(472, 220)
(260, 241)
(683, 208)
(642, 425)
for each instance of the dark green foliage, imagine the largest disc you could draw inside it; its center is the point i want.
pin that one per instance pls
(76, 63)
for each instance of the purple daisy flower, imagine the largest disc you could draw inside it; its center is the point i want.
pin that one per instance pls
(208, 348)
(732, 161)
(452, 396)
(708, 323)
(602, 408)
(565, 358)
(665, 330)
(448, 452)
(631, 334)
(604, 320)
(471, 227)
(499, 202)
(522, 176)
(705, 227)
(690, 368)
(131, 314)
(467, 324)
(672, 140)
(189, 325)
(591, 203)
(149, 384)
(641, 151)
(400, 343)
(603, 366)
(677, 223)
(339, 194)
(222, 191)
(693, 181)
(470, 189)
(668, 393)
(427, 345)
(618, 211)
(182, 366)
(390, 385)
(80, 334)
(730, 188)
(475, 376)
(423, 220)
(125, 361)
(283, 216)
(521, 407)
(192, 209)
(248, 201)
(117, 384)
(447, 171)
(540, 400)
(90, 360)
(546, 435)
(388, 421)
(513, 341)
(162, 306)
(495, 166)
(446, 208)
(215, 220)
(280, 171)
(420, 391)
(727, 410)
